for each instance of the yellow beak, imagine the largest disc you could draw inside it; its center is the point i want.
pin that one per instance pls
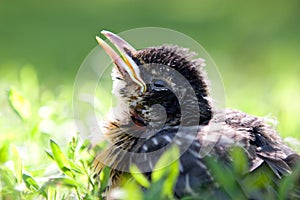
(125, 63)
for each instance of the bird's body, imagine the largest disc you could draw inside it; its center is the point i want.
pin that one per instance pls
(140, 128)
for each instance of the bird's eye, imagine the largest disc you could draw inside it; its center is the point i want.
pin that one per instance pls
(159, 83)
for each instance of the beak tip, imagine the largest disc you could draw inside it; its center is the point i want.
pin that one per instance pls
(99, 40)
(106, 33)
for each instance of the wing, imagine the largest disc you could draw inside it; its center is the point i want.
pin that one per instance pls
(260, 140)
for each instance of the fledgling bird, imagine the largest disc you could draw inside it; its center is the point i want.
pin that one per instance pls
(164, 99)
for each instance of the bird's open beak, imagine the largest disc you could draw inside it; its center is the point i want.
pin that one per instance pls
(124, 63)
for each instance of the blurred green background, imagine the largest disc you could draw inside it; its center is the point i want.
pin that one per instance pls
(255, 44)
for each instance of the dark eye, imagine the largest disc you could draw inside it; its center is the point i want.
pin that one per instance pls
(159, 83)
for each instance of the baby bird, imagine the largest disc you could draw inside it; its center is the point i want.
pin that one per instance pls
(164, 100)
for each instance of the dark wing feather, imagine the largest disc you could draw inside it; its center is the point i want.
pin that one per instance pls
(279, 167)
(262, 141)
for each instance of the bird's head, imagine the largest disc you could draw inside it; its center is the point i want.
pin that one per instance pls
(156, 83)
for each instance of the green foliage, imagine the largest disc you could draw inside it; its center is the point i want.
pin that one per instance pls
(139, 177)
(226, 177)
(19, 104)
(17, 164)
(104, 178)
(164, 170)
(25, 171)
(163, 178)
(73, 180)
